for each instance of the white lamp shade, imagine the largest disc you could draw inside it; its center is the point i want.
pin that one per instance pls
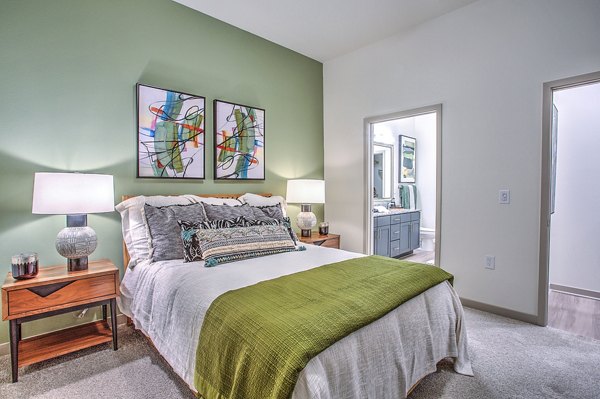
(72, 193)
(306, 191)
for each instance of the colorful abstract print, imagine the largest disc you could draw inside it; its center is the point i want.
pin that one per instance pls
(239, 142)
(170, 134)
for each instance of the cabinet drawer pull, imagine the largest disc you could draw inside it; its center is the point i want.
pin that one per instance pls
(396, 232)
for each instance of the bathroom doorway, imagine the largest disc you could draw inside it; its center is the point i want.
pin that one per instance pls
(403, 193)
(569, 290)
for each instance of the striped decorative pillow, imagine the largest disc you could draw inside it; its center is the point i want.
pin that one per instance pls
(220, 212)
(218, 246)
(164, 234)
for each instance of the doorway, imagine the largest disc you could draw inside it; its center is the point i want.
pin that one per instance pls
(569, 285)
(403, 174)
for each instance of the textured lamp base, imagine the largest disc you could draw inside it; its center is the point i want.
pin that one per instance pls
(306, 220)
(76, 242)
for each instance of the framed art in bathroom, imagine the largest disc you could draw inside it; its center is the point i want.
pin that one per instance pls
(408, 159)
(170, 134)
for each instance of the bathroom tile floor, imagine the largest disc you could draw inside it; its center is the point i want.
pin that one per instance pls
(421, 256)
(576, 314)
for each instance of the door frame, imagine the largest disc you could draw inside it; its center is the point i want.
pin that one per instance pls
(545, 200)
(368, 172)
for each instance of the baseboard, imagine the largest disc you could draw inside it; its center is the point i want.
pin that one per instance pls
(512, 314)
(5, 347)
(575, 291)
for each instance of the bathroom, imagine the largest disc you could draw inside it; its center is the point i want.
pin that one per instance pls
(404, 188)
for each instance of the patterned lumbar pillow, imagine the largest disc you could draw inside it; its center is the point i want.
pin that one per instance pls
(230, 244)
(242, 221)
(164, 231)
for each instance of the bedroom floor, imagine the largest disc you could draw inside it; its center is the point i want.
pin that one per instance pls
(510, 359)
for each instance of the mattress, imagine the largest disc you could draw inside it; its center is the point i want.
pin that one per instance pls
(167, 301)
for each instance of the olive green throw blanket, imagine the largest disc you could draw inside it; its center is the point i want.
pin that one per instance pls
(256, 340)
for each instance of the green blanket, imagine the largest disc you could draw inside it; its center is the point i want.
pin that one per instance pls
(255, 340)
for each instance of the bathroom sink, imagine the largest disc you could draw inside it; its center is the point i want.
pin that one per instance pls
(380, 209)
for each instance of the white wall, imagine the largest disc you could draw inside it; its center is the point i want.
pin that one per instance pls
(574, 251)
(486, 64)
(425, 133)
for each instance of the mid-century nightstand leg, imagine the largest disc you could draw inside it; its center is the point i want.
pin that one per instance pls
(113, 321)
(14, 349)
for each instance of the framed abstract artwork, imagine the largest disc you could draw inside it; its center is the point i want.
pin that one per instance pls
(170, 131)
(239, 141)
(408, 159)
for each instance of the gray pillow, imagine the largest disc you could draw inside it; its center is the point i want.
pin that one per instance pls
(220, 212)
(270, 211)
(165, 233)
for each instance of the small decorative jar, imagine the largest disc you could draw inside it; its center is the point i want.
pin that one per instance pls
(323, 228)
(24, 266)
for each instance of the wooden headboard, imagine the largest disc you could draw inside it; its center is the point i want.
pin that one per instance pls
(232, 196)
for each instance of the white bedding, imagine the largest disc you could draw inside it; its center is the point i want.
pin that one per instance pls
(167, 301)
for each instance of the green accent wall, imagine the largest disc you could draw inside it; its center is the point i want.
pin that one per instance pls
(68, 71)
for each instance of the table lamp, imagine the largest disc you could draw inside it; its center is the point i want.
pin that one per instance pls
(306, 192)
(74, 195)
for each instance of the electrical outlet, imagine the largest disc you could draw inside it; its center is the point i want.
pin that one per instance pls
(504, 196)
(490, 262)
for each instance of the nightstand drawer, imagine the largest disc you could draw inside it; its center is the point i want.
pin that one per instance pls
(330, 243)
(57, 295)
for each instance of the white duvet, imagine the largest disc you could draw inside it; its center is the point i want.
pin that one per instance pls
(167, 301)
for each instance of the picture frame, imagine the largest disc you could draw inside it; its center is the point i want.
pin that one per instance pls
(408, 159)
(171, 138)
(239, 141)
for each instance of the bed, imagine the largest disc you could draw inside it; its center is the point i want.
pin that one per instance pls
(168, 300)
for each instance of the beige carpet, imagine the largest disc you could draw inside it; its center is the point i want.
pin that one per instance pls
(510, 360)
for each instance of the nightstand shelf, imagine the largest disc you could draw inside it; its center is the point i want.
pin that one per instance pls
(47, 346)
(327, 240)
(56, 291)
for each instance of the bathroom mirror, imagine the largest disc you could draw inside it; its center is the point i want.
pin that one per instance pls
(383, 171)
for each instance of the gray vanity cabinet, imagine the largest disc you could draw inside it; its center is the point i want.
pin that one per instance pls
(381, 235)
(415, 230)
(397, 234)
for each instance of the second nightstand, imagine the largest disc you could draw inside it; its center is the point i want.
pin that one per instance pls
(329, 240)
(55, 291)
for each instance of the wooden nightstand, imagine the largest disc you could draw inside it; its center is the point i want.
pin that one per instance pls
(329, 240)
(55, 291)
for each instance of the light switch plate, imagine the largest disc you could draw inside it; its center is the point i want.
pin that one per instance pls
(504, 196)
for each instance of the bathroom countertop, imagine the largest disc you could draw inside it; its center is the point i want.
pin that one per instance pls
(394, 211)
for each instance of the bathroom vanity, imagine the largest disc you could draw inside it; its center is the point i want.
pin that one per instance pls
(396, 232)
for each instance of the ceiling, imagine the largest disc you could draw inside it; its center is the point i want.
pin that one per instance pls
(324, 29)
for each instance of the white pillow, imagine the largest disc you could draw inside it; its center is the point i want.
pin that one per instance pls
(133, 223)
(259, 200)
